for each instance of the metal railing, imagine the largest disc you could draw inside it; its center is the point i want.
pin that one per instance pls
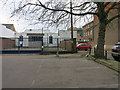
(34, 44)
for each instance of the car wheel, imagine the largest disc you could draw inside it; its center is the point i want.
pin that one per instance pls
(77, 49)
(117, 58)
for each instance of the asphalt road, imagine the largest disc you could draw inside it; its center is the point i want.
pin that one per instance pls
(49, 71)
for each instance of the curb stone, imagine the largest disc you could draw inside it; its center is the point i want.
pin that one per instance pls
(103, 63)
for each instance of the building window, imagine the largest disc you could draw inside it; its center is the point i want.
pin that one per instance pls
(88, 33)
(35, 38)
(50, 39)
(21, 38)
(91, 32)
(91, 24)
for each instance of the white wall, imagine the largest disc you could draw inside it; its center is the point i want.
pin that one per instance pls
(67, 34)
(63, 34)
(36, 31)
(25, 40)
(6, 33)
(46, 36)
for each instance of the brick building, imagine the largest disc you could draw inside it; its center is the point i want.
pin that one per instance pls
(88, 32)
(112, 34)
(79, 33)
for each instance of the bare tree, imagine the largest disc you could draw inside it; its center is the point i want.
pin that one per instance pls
(57, 12)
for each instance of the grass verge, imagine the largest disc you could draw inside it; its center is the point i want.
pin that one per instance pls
(112, 64)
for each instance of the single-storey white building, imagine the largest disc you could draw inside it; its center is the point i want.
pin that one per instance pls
(49, 38)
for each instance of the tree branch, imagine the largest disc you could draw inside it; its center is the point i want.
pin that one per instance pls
(107, 3)
(113, 18)
(114, 4)
(77, 14)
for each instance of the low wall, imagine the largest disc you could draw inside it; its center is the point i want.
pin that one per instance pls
(36, 44)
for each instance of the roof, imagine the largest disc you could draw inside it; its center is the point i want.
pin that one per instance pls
(33, 31)
(9, 26)
(5, 32)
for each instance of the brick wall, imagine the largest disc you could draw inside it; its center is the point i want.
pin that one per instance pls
(66, 45)
(106, 8)
(112, 31)
(7, 43)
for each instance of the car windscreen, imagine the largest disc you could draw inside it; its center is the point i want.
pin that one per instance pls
(116, 46)
(78, 45)
(86, 44)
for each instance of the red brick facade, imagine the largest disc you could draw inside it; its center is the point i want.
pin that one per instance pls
(88, 31)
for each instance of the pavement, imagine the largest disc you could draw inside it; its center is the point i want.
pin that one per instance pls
(49, 71)
(109, 56)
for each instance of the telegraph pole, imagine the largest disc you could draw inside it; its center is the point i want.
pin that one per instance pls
(71, 20)
(73, 40)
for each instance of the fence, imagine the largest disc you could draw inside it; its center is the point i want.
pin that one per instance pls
(35, 45)
(57, 43)
(24, 45)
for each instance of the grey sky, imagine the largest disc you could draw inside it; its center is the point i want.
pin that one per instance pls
(22, 24)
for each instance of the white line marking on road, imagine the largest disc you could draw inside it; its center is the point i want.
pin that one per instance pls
(33, 82)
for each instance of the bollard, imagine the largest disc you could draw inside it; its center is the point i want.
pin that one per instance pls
(94, 51)
(57, 54)
(89, 51)
(18, 49)
(106, 54)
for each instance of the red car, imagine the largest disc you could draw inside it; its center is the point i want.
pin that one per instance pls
(83, 46)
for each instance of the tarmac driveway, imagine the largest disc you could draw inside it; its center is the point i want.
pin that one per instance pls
(49, 71)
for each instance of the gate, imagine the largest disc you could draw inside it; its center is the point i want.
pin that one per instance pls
(53, 44)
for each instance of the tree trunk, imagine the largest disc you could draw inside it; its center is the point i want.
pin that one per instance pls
(102, 16)
(101, 40)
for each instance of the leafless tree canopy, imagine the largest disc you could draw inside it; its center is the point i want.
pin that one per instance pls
(57, 12)
(54, 12)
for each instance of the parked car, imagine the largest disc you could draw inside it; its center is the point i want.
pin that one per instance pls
(83, 46)
(116, 51)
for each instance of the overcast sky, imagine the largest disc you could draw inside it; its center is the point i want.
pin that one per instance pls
(21, 24)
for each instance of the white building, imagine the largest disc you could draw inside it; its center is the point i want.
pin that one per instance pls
(65, 34)
(49, 39)
(25, 40)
